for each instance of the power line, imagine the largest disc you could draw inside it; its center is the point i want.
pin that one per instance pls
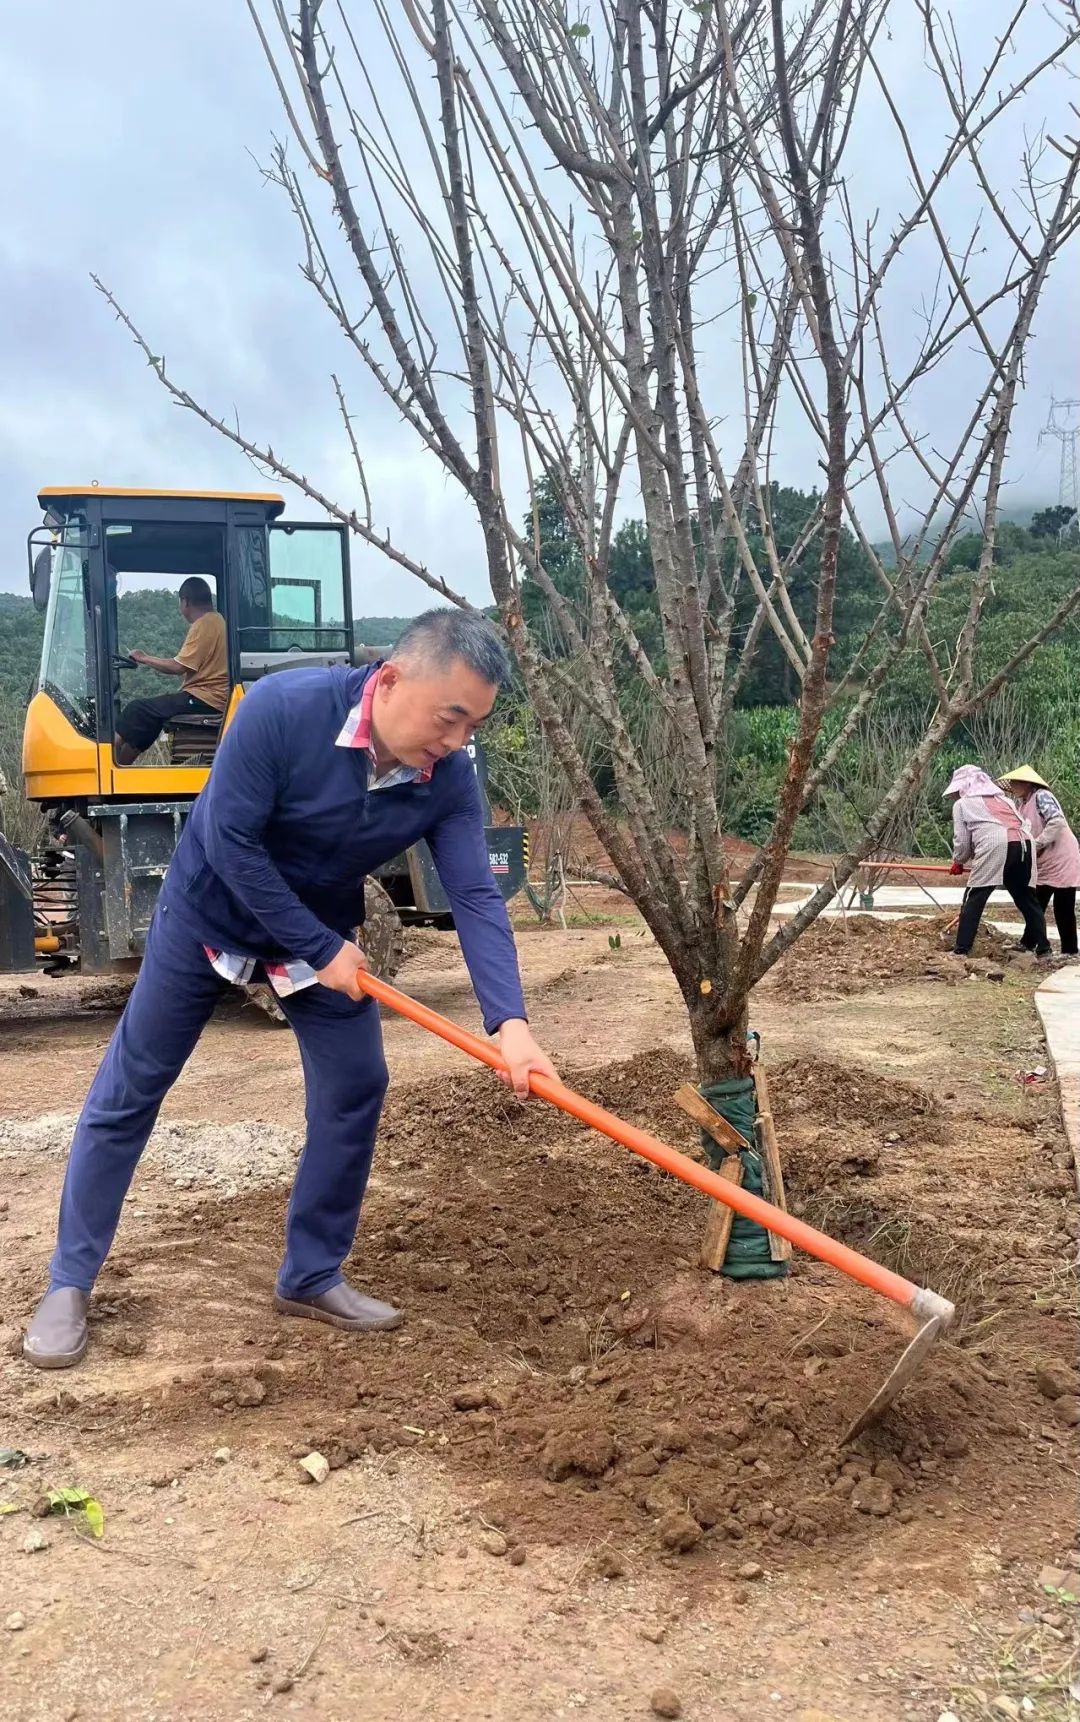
(1064, 425)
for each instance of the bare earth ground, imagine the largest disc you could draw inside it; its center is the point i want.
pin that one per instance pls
(569, 1388)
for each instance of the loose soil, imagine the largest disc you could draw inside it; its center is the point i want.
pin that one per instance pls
(859, 953)
(584, 1470)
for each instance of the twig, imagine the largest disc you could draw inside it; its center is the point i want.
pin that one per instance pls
(250, 1550)
(303, 1666)
(802, 1339)
(111, 1549)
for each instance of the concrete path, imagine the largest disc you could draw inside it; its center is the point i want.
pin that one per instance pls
(1058, 1004)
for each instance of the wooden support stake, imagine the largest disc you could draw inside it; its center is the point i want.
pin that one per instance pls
(769, 1148)
(697, 1107)
(714, 1244)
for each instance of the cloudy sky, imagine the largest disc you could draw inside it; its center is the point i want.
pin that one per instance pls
(129, 131)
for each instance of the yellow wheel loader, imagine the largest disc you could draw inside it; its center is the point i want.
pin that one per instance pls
(283, 588)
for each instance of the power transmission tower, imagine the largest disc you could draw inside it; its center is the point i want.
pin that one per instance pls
(1064, 425)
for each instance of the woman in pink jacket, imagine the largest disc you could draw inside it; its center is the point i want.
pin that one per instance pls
(992, 843)
(1056, 847)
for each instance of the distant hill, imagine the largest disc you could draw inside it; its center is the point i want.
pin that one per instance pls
(1020, 515)
(380, 630)
(21, 630)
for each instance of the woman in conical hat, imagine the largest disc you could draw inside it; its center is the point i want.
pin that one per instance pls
(993, 842)
(1056, 848)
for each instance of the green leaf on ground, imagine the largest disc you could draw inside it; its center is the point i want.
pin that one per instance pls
(61, 1499)
(81, 1501)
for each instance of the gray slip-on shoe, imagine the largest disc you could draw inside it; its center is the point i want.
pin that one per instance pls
(56, 1337)
(342, 1306)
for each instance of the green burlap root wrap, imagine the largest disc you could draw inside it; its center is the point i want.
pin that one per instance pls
(747, 1255)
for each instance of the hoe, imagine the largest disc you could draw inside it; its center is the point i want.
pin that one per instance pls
(933, 1313)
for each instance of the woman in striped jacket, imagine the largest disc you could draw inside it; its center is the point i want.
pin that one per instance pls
(992, 842)
(1056, 849)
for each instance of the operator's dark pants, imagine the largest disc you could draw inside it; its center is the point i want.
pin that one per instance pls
(345, 1078)
(1016, 879)
(142, 721)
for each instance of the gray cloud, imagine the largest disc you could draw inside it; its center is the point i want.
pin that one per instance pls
(133, 128)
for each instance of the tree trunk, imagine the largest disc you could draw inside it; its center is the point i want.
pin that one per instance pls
(719, 1045)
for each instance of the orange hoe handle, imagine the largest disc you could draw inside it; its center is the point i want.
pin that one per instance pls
(922, 1302)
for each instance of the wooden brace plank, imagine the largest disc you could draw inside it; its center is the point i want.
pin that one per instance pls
(718, 1226)
(769, 1149)
(697, 1107)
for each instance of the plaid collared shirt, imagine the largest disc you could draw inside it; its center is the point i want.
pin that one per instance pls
(292, 975)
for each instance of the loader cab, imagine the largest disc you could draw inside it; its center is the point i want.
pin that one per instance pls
(107, 566)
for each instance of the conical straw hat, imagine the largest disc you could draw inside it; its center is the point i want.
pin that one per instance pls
(1025, 774)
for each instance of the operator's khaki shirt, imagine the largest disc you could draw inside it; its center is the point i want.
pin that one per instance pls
(204, 655)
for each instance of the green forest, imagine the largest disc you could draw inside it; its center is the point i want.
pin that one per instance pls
(1037, 718)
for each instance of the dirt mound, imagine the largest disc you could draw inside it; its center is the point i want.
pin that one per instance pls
(41, 995)
(563, 1355)
(860, 952)
(473, 1108)
(816, 1091)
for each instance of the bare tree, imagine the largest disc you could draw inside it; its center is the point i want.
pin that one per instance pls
(999, 732)
(526, 777)
(622, 247)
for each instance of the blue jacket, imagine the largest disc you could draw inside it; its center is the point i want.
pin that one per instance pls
(272, 860)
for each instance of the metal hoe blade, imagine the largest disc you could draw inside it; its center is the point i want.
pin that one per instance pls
(897, 1380)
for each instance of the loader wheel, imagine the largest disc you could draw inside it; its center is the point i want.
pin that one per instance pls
(382, 935)
(383, 939)
(265, 999)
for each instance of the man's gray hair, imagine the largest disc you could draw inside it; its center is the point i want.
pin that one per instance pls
(442, 636)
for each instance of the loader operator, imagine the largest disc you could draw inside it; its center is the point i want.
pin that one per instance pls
(202, 661)
(323, 774)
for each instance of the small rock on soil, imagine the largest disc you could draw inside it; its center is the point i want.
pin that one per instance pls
(472, 1398)
(314, 1468)
(586, 1451)
(1054, 1380)
(873, 1495)
(610, 1564)
(679, 1532)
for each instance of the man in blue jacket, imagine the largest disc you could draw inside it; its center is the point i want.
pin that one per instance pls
(322, 775)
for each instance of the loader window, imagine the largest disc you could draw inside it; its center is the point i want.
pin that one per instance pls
(65, 670)
(292, 597)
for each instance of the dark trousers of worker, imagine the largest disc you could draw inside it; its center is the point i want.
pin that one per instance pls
(1064, 900)
(142, 721)
(345, 1078)
(1016, 879)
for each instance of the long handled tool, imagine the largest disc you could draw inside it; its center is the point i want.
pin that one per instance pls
(933, 1312)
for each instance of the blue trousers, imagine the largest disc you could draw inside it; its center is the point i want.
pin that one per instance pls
(345, 1080)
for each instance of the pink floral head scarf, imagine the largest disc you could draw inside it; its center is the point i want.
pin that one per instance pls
(972, 780)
